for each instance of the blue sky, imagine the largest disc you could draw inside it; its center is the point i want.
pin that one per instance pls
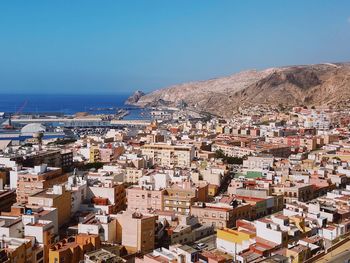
(120, 46)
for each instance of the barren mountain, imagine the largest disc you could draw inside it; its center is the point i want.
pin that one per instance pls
(320, 84)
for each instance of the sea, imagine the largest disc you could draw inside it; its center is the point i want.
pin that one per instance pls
(68, 104)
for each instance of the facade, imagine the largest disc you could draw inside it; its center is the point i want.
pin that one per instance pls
(144, 200)
(44, 233)
(258, 162)
(180, 197)
(233, 150)
(271, 231)
(52, 158)
(78, 189)
(220, 215)
(233, 241)
(169, 155)
(175, 253)
(108, 196)
(106, 154)
(133, 175)
(72, 249)
(295, 192)
(57, 197)
(7, 198)
(11, 226)
(32, 181)
(136, 232)
(102, 225)
(21, 250)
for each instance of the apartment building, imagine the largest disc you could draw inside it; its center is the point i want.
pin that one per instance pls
(52, 157)
(105, 153)
(169, 155)
(78, 188)
(144, 200)
(220, 215)
(21, 250)
(103, 225)
(258, 162)
(234, 241)
(234, 150)
(31, 214)
(72, 249)
(11, 226)
(294, 191)
(136, 231)
(30, 181)
(181, 196)
(57, 197)
(133, 175)
(43, 231)
(107, 195)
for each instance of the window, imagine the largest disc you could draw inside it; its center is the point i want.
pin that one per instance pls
(39, 255)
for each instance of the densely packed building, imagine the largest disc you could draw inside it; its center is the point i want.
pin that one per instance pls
(263, 186)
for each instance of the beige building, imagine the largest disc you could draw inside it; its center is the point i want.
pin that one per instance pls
(220, 215)
(133, 175)
(57, 197)
(33, 181)
(21, 250)
(136, 231)
(180, 197)
(294, 192)
(143, 200)
(169, 155)
(234, 150)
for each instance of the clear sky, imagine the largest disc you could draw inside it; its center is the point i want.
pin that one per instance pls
(101, 46)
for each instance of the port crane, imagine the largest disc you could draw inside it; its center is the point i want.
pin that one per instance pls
(19, 110)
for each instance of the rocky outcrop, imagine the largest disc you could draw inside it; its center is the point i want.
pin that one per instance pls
(134, 98)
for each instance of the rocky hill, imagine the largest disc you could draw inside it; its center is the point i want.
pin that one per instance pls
(320, 84)
(134, 98)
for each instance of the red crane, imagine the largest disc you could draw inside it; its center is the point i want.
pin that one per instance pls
(21, 108)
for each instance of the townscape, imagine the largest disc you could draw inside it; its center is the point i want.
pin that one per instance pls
(266, 185)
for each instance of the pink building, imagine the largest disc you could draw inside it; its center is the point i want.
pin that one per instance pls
(110, 154)
(144, 200)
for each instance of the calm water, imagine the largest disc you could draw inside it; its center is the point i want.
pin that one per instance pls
(65, 104)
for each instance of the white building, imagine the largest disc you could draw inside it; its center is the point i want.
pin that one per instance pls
(102, 225)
